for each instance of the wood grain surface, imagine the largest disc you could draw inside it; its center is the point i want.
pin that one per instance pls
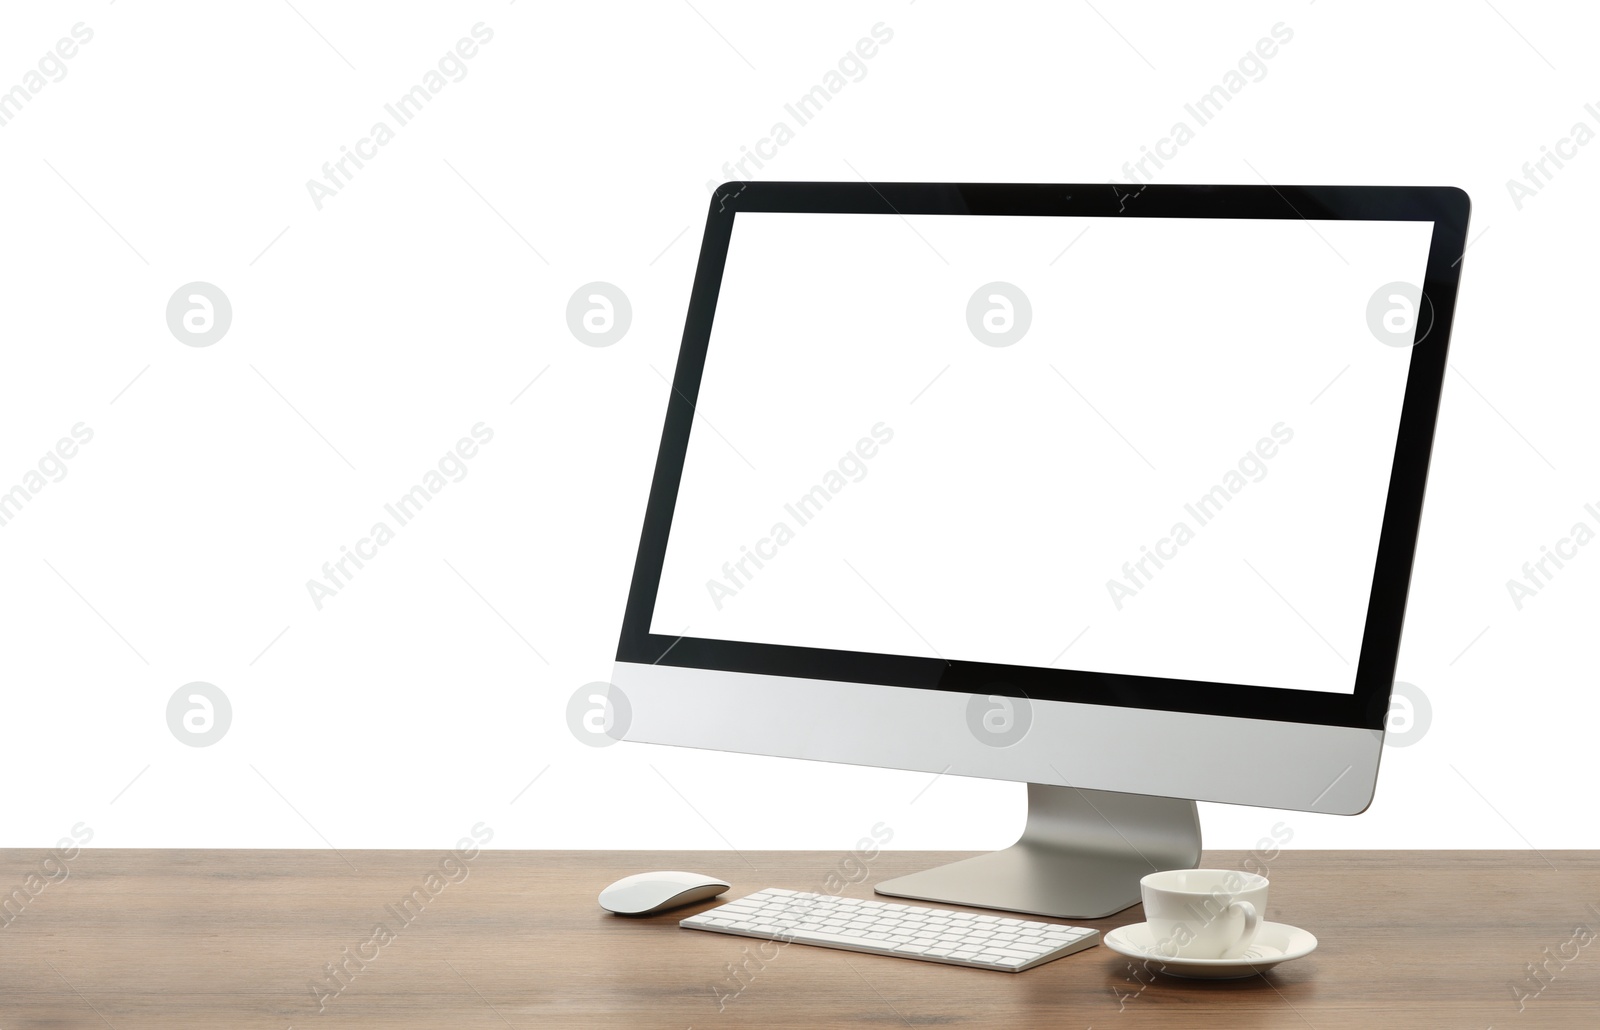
(189, 938)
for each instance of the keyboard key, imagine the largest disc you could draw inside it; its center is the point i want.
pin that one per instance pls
(1026, 948)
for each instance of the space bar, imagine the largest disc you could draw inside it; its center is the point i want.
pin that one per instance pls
(866, 943)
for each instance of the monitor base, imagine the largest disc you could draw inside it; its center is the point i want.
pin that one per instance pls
(1080, 856)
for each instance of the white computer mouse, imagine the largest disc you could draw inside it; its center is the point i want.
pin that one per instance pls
(644, 894)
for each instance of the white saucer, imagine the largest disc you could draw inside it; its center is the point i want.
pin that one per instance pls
(1274, 943)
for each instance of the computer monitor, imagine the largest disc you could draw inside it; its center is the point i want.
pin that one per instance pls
(1108, 490)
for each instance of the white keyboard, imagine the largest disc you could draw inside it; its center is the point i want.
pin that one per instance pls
(906, 931)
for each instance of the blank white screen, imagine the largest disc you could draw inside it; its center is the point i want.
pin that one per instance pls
(1020, 482)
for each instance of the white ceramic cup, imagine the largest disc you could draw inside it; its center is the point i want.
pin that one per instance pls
(1203, 913)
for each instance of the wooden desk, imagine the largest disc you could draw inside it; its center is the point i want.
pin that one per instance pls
(168, 939)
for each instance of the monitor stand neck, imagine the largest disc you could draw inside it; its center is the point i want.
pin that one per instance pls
(1080, 856)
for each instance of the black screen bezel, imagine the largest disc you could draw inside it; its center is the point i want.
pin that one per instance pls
(1367, 707)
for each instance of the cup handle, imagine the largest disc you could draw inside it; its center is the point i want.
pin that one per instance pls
(1252, 923)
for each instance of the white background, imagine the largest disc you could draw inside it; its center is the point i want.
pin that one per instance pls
(427, 294)
(1156, 355)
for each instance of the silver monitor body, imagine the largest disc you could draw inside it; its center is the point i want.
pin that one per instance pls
(1110, 492)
